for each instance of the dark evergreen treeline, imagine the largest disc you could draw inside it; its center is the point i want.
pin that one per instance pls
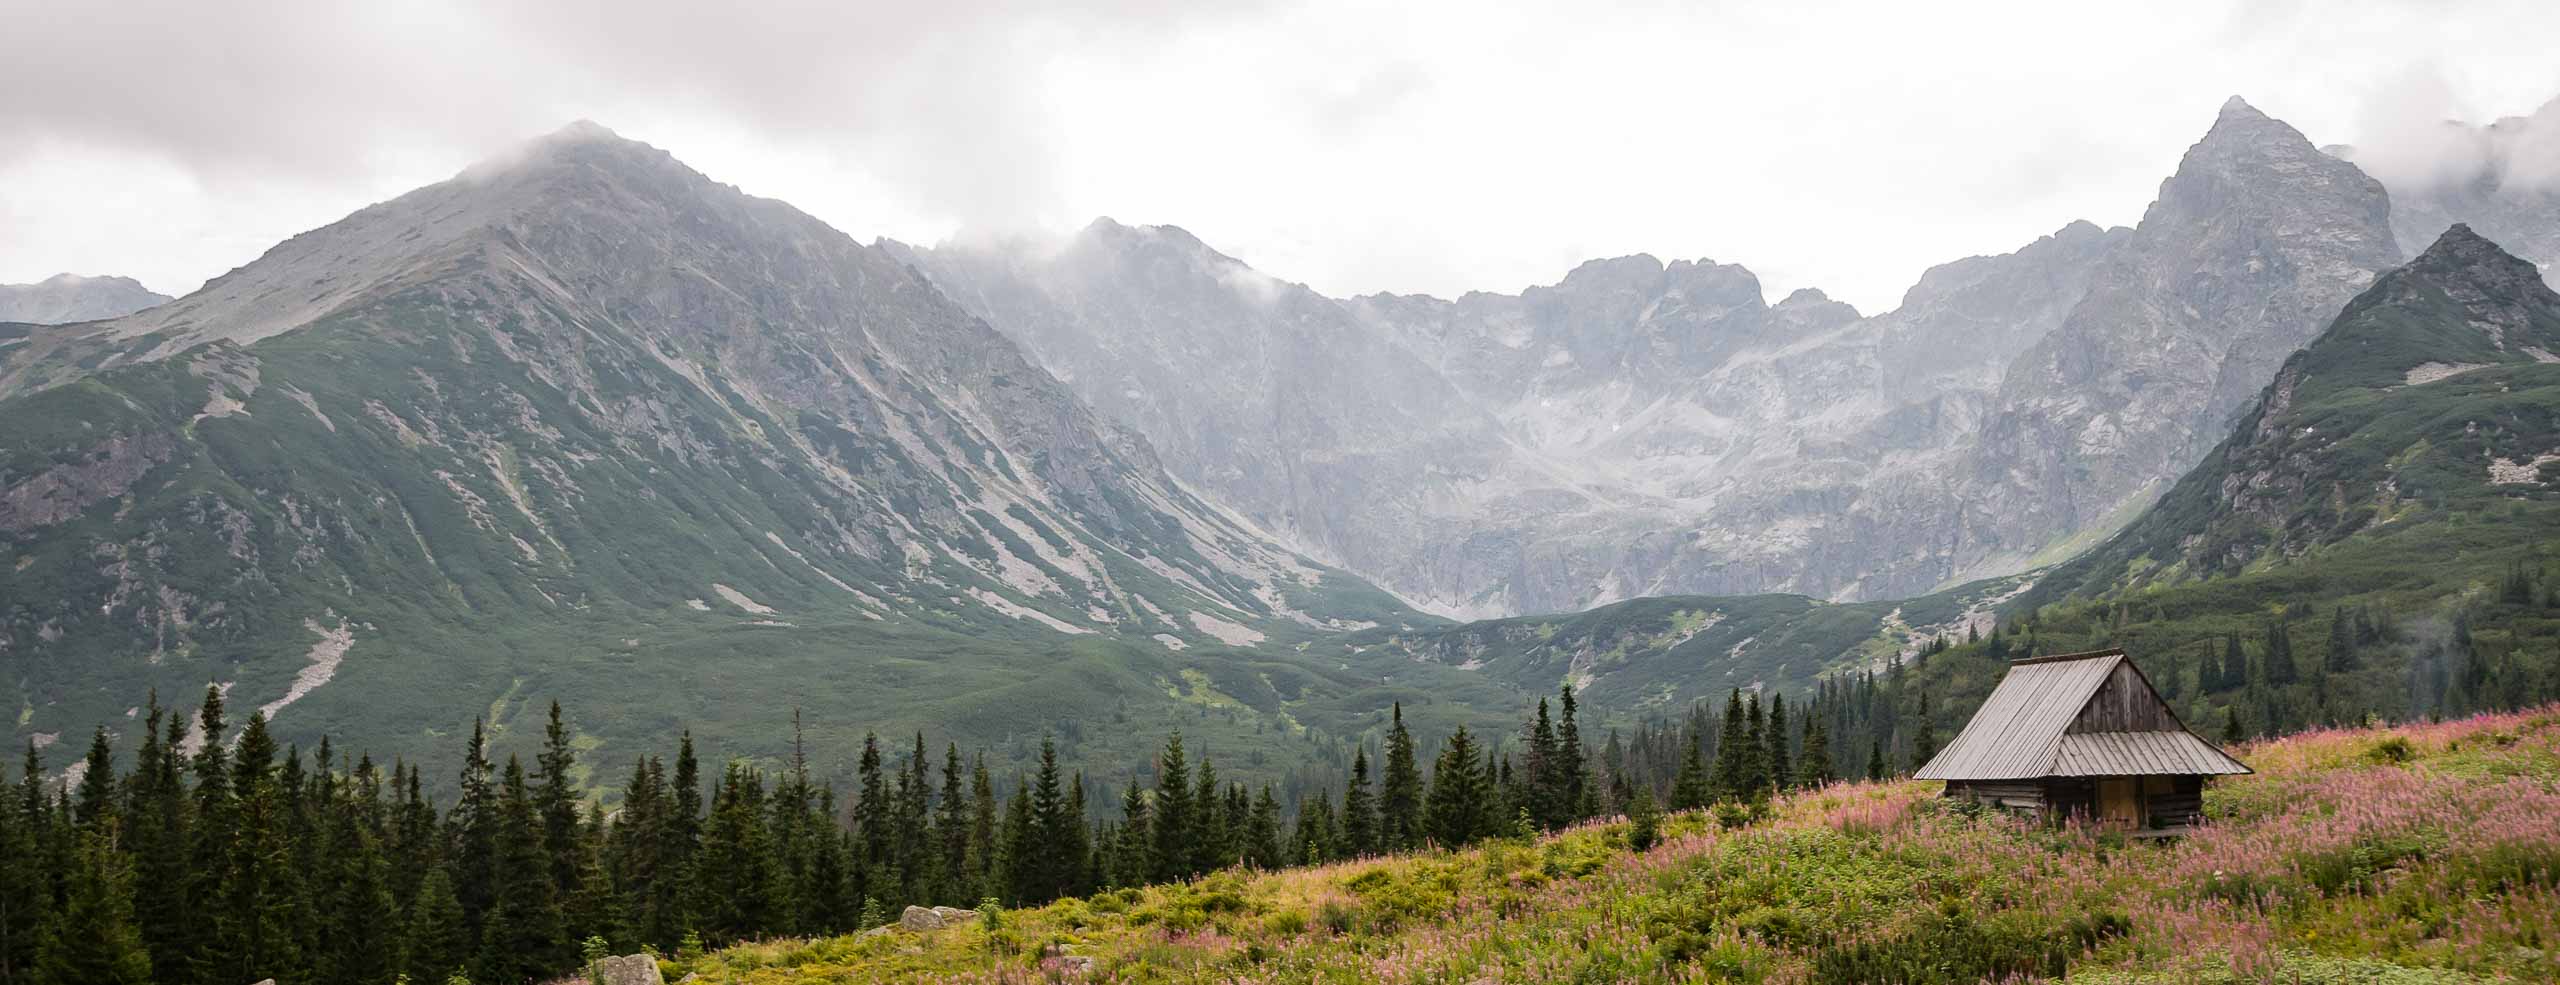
(218, 858)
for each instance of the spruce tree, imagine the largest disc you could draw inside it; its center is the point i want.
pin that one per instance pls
(358, 939)
(594, 910)
(1132, 863)
(211, 921)
(2342, 656)
(1074, 842)
(1692, 788)
(1644, 823)
(2280, 666)
(265, 892)
(1211, 837)
(872, 821)
(733, 878)
(1733, 751)
(1315, 839)
(983, 848)
(1018, 854)
(1782, 773)
(1171, 815)
(524, 938)
(473, 828)
(1755, 750)
(953, 886)
(1572, 762)
(556, 800)
(91, 939)
(1053, 860)
(1400, 790)
(1358, 826)
(911, 843)
(97, 798)
(436, 941)
(1455, 809)
(1924, 735)
(1813, 769)
(1541, 793)
(1262, 832)
(156, 831)
(26, 891)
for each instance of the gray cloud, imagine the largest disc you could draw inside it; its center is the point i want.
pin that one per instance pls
(942, 98)
(1426, 146)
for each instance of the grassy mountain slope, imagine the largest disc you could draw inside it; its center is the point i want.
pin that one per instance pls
(2433, 401)
(1653, 655)
(2377, 535)
(2422, 854)
(2390, 505)
(586, 425)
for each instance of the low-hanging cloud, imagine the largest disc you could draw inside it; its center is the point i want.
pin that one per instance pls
(2413, 132)
(943, 99)
(1433, 146)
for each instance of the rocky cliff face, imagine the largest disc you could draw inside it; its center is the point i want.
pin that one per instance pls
(1296, 414)
(1640, 428)
(64, 298)
(584, 408)
(2434, 395)
(2251, 249)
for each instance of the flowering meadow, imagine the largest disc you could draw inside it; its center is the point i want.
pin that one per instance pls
(2422, 853)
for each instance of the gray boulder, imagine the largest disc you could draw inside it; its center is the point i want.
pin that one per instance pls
(629, 969)
(921, 920)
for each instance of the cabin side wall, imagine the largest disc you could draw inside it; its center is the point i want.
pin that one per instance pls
(2173, 801)
(2167, 801)
(2014, 794)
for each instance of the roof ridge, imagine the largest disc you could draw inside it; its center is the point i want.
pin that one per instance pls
(2113, 651)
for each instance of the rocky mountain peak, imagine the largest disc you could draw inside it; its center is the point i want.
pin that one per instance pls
(2463, 304)
(2460, 252)
(64, 298)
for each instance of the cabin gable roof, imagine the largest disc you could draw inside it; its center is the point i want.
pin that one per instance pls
(2075, 714)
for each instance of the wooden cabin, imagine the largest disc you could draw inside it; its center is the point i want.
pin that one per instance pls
(2082, 735)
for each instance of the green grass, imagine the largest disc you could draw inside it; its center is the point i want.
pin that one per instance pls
(2441, 866)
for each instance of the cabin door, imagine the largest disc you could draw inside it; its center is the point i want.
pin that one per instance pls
(2120, 802)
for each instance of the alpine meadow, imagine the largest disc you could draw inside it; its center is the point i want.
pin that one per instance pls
(529, 558)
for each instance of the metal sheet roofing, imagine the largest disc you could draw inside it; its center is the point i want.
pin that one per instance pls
(2019, 732)
(2141, 754)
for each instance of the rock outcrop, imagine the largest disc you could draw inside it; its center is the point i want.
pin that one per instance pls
(629, 969)
(1642, 428)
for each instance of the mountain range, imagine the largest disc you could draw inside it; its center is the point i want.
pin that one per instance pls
(582, 423)
(1641, 428)
(585, 424)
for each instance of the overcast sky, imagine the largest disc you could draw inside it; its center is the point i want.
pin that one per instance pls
(1430, 147)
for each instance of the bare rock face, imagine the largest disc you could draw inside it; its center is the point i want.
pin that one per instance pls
(629, 969)
(2252, 248)
(65, 298)
(1642, 428)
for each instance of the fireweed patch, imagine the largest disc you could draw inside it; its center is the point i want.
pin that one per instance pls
(2420, 854)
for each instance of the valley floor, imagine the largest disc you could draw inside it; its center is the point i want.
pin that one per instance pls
(2412, 854)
